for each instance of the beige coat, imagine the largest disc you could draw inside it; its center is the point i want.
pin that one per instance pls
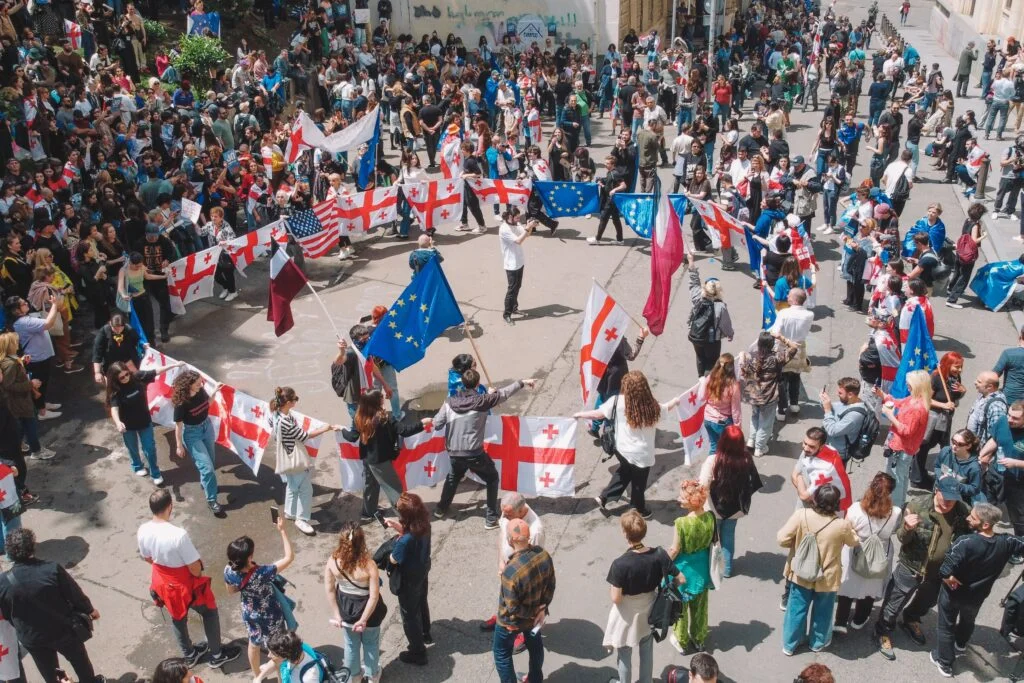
(831, 540)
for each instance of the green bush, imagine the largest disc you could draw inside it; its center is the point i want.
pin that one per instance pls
(199, 57)
(155, 31)
(233, 12)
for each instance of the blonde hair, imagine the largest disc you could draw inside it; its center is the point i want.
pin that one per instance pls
(936, 206)
(633, 526)
(39, 258)
(713, 290)
(920, 384)
(9, 342)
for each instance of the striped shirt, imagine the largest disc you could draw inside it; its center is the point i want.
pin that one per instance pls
(290, 431)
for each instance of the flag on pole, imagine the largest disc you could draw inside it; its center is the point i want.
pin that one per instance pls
(422, 313)
(191, 278)
(720, 223)
(604, 325)
(666, 257)
(918, 354)
(691, 422)
(74, 33)
(251, 246)
(305, 135)
(994, 283)
(365, 370)
(768, 314)
(368, 161)
(315, 230)
(286, 281)
(568, 199)
(435, 203)
(353, 135)
(636, 210)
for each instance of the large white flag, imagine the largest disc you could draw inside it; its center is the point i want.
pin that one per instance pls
(691, 422)
(604, 324)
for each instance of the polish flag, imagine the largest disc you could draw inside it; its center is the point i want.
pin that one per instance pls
(494, 192)
(666, 257)
(9, 669)
(827, 468)
(310, 424)
(691, 422)
(158, 392)
(535, 456)
(251, 246)
(604, 324)
(191, 278)
(423, 460)
(720, 223)
(907, 313)
(242, 424)
(435, 203)
(366, 210)
(8, 491)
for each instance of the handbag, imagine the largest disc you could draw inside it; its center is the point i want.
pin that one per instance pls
(716, 559)
(81, 623)
(665, 609)
(287, 461)
(938, 421)
(608, 432)
(351, 606)
(382, 558)
(58, 326)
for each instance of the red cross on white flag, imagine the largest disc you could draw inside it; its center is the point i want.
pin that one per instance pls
(528, 460)
(826, 467)
(251, 246)
(158, 392)
(9, 670)
(435, 203)
(691, 422)
(310, 424)
(242, 424)
(8, 491)
(604, 324)
(191, 278)
(508, 192)
(423, 460)
(366, 210)
(719, 223)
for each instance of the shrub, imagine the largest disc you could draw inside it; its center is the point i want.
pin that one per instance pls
(198, 57)
(155, 31)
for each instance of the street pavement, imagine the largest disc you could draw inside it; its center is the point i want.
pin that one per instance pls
(91, 504)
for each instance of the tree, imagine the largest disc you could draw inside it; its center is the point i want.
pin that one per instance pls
(199, 58)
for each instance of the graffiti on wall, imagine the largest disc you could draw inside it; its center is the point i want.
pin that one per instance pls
(496, 19)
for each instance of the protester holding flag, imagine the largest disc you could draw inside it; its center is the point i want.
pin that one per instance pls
(635, 413)
(908, 418)
(709, 321)
(612, 183)
(379, 434)
(349, 376)
(617, 367)
(193, 431)
(293, 464)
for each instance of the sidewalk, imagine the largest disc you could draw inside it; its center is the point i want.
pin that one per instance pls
(1000, 245)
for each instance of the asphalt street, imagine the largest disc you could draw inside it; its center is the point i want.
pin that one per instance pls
(91, 504)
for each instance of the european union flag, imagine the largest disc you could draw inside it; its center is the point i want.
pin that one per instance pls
(199, 23)
(637, 210)
(136, 324)
(994, 283)
(918, 354)
(568, 199)
(768, 314)
(425, 309)
(368, 162)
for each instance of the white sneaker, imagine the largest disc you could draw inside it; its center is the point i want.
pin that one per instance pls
(794, 409)
(999, 214)
(224, 294)
(49, 415)
(758, 454)
(231, 297)
(142, 473)
(53, 406)
(462, 228)
(822, 228)
(479, 230)
(675, 643)
(592, 240)
(1014, 216)
(750, 443)
(304, 527)
(43, 454)
(159, 481)
(828, 231)
(1018, 238)
(953, 304)
(780, 415)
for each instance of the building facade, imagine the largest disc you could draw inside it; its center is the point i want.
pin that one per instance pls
(957, 22)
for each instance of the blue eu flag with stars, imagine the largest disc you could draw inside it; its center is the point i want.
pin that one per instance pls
(637, 211)
(568, 199)
(420, 315)
(918, 354)
(198, 23)
(768, 314)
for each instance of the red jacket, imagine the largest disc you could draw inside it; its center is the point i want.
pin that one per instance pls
(178, 590)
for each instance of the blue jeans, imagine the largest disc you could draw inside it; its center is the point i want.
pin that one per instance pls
(199, 440)
(727, 534)
(369, 642)
(986, 81)
(762, 421)
(585, 125)
(637, 122)
(898, 465)
(6, 528)
(821, 161)
(964, 176)
(405, 211)
(1001, 108)
(794, 625)
(915, 158)
(503, 641)
(624, 657)
(684, 115)
(830, 202)
(715, 430)
(298, 494)
(30, 432)
(132, 439)
(709, 151)
(391, 377)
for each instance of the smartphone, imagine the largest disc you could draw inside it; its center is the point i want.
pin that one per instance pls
(274, 514)
(379, 516)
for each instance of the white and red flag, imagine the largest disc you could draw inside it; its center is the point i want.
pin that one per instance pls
(350, 466)
(691, 422)
(310, 424)
(365, 371)
(451, 156)
(286, 281)
(8, 491)
(666, 257)
(720, 224)
(423, 460)
(541, 169)
(365, 210)
(604, 324)
(305, 135)
(827, 468)
(252, 245)
(191, 278)
(270, 155)
(9, 668)
(253, 197)
(435, 203)
(535, 456)
(907, 314)
(74, 34)
(889, 356)
(242, 424)
(510, 192)
(159, 391)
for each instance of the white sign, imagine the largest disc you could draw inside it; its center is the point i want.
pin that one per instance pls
(190, 210)
(531, 27)
(361, 16)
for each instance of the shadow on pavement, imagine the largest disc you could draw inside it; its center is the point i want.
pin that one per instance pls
(576, 638)
(764, 566)
(772, 483)
(67, 552)
(573, 672)
(729, 634)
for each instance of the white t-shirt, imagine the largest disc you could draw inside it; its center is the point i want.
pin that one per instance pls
(536, 532)
(167, 545)
(893, 172)
(635, 445)
(511, 252)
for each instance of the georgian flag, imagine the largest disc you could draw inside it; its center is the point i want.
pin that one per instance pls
(365, 371)
(191, 278)
(9, 669)
(158, 392)
(8, 491)
(241, 422)
(423, 460)
(435, 203)
(350, 466)
(253, 197)
(253, 245)
(365, 210)
(889, 355)
(310, 424)
(720, 223)
(508, 192)
(305, 135)
(907, 314)
(827, 468)
(541, 170)
(604, 324)
(451, 156)
(535, 456)
(691, 421)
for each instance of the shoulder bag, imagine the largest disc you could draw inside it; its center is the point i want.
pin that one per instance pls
(352, 606)
(716, 558)
(81, 624)
(938, 421)
(665, 609)
(287, 461)
(608, 432)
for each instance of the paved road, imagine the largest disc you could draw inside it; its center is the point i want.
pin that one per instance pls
(91, 505)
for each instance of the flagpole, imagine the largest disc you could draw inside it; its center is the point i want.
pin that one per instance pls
(337, 333)
(476, 352)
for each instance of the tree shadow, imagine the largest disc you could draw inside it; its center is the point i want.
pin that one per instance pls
(763, 566)
(68, 551)
(727, 635)
(576, 638)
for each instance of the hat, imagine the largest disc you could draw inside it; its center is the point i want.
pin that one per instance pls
(152, 229)
(453, 129)
(881, 211)
(949, 488)
(518, 531)
(798, 159)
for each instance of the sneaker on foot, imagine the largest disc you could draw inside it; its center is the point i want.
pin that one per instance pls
(914, 630)
(439, 513)
(158, 481)
(215, 508)
(489, 624)
(53, 406)
(819, 649)
(419, 659)
(44, 453)
(519, 645)
(953, 304)
(228, 653)
(479, 230)
(428, 639)
(461, 228)
(1016, 559)
(620, 243)
(231, 297)
(196, 654)
(490, 523)
(885, 647)
(224, 294)
(25, 448)
(646, 514)
(944, 671)
(28, 499)
(304, 526)
(675, 643)
(1018, 238)
(841, 629)
(142, 473)
(784, 603)
(999, 214)
(959, 648)
(508, 319)
(592, 240)
(600, 502)
(780, 415)
(856, 627)
(794, 409)
(750, 443)
(828, 231)
(758, 454)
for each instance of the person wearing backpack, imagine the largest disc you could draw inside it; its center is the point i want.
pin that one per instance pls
(295, 661)
(930, 523)
(865, 568)
(815, 537)
(709, 319)
(844, 423)
(966, 254)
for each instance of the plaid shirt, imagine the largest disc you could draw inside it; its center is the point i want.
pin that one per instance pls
(527, 584)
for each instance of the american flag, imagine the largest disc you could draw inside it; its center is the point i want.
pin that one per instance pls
(315, 230)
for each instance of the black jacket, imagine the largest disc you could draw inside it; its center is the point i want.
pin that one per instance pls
(106, 349)
(384, 445)
(38, 598)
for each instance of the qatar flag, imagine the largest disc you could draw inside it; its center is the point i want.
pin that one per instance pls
(666, 257)
(423, 460)
(158, 392)
(191, 278)
(9, 669)
(691, 422)
(242, 424)
(535, 456)
(310, 424)
(8, 491)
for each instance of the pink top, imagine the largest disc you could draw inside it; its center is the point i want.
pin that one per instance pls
(913, 420)
(726, 407)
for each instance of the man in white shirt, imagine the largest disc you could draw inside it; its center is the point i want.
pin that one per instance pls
(793, 323)
(511, 236)
(900, 167)
(178, 583)
(1002, 92)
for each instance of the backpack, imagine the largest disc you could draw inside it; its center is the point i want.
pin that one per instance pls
(702, 320)
(901, 192)
(966, 249)
(870, 559)
(665, 609)
(328, 672)
(859, 447)
(806, 562)
(340, 377)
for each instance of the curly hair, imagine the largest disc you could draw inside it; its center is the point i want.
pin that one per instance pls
(181, 388)
(641, 408)
(351, 551)
(694, 494)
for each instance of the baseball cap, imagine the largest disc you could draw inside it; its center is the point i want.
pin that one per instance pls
(949, 488)
(798, 159)
(152, 229)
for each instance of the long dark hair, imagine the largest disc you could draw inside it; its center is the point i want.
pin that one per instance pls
(114, 383)
(732, 464)
(368, 414)
(413, 515)
(170, 671)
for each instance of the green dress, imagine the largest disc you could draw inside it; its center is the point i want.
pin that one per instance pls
(694, 535)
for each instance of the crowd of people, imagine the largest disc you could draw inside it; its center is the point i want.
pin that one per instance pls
(114, 143)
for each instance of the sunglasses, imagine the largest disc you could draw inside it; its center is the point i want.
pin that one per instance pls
(958, 443)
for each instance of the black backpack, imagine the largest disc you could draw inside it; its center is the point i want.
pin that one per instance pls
(859, 448)
(901, 192)
(702, 320)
